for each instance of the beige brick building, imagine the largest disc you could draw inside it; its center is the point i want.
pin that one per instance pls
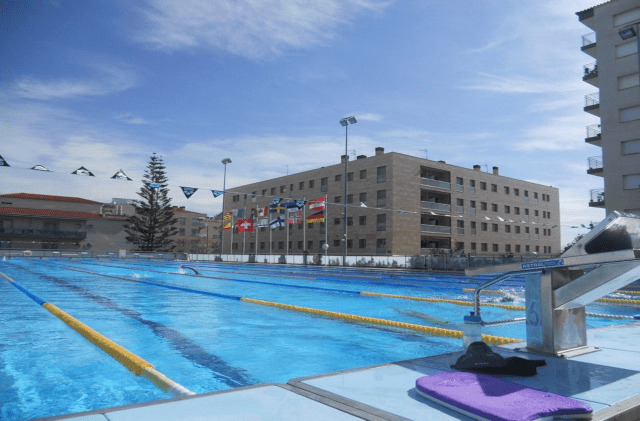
(615, 73)
(413, 206)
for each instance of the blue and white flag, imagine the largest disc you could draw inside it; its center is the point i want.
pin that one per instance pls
(40, 168)
(262, 222)
(217, 193)
(83, 171)
(188, 191)
(278, 222)
(300, 203)
(120, 175)
(276, 200)
(155, 185)
(238, 213)
(3, 163)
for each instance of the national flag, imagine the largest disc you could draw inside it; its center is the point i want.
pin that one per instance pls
(245, 225)
(290, 205)
(295, 213)
(39, 167)
(120, 175)
(188, 191)
(83, 171)
(276, 200)
(277, 209)
(227, 226)
(300, 203)
(317, 204)
(263, 222)
(278, 222)
(238, 213)
(3, 163)
(217, 193)
(226, 216)
(263, 211)
(254, 213)
(316, 217)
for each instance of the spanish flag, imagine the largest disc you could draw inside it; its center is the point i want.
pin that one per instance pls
(227, 226)
(316, 217)
(226, 216)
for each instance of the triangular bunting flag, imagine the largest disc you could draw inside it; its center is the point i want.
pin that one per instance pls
(3, 163)
(188, 191)
(276, 200)
(155, 185)
(83, 171)
(39, 168)
(300, 203)
(217, 193)
(120, 175)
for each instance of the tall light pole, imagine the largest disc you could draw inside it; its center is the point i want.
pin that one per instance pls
(345, 122)
(224, 193)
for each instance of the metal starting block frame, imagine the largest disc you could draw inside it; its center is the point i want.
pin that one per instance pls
(557, 290)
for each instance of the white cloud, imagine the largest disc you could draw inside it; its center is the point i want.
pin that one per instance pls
(555, 134)
(130, 118)
(250, 28)
(107, 79)
(369, 117)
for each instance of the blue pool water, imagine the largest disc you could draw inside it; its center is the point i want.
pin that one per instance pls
(208, 343)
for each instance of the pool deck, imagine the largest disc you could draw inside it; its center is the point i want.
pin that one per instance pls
(608, 380)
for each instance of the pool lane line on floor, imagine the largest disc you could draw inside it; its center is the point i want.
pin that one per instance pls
(128, 359)
(436, 331)
(333, 290)
(223, 372)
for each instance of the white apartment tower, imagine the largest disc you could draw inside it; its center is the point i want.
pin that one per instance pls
(614, 45)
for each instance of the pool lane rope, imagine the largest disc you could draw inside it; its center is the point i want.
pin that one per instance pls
(436, 331)
(128, 359)
(602, 300)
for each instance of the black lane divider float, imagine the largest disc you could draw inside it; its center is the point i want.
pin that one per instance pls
(191, 351)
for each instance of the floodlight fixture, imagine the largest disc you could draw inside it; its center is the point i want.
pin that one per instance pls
(348, 120)
(226, 161)
(627, 33)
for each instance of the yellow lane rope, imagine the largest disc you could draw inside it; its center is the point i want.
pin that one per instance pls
(490, 339)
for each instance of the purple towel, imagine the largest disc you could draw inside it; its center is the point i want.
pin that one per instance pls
(496, 399)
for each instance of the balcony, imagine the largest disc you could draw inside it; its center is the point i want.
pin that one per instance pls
(324, 187)
(440, 229)
(589, 44)
(435, 183)
(460, 187)
(592, 103)
(591, 73)
(460, 209)
(460, 231)
(595, 166)
(597, 198)
(435, 205)
(31, 233)
(587, 18)
(594, 135)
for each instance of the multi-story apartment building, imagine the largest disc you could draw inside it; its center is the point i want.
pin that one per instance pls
(197, 233)
(404, 205)
(614, 45)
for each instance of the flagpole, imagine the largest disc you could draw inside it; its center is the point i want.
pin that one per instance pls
(256, 229)
(326, 225)
(304, 225)
(244, 233)
(286, 221)
(231, 245)
(270, 236)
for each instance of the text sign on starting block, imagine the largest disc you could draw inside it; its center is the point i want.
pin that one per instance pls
(543, 264)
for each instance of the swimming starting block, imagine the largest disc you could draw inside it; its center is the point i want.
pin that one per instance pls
(483, 397)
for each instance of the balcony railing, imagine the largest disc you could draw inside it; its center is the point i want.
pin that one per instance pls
(381, 202)
(435, 183)
(6, 232)
(594, 131)
(472, 190)
(473, 231)
(597, 197)
(435, 205)
(460, 231)
(435, 228)
(381, 227)
(382, 177)
(472, 211)
(595, 165)
(590, 70)
(460, 187)
(588, 39)
(526, 199)
(460, 209)
(592, 99)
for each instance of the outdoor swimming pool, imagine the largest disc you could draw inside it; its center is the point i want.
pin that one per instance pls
(208, 343)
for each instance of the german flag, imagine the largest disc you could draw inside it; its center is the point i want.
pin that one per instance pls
(316, 217)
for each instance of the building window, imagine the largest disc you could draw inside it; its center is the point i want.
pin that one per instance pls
(363, 197)
(628, 81)
(494, 207)
(181, 232)
(631, 181)
(483, 226)
(300, 186)
(182, 221)
(350, 176)
(382, 198)
(382, 174)
(484, 247)
(507, 228)
(273, 191)
(506, 190)
(626, 49)
(483, 185)
(507, 248)
(516, 192)
(338, 177)
(494, 188)
(495, 248)
(629, 114)
(349, 220)
(362, 220)
(381, 220)
(363, 174)
(336, 243)
(337, 199)
(507, 209)
(310, 245)
(517, 248)
(350, 198)
(324, 184)
(336, 221)
(517, 229)
(362, 243)
(494, 227)
(349, 244)
(194, 232)
(516, 210)
(311, 183)
(483, 206)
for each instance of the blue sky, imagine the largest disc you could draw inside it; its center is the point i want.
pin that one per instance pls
(105, 84)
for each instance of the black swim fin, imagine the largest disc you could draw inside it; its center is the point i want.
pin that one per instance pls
(480, 358)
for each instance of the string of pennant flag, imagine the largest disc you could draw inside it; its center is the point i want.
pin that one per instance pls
(294, 207)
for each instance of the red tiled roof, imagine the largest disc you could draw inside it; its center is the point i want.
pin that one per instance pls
(49, 197)
(49, 212)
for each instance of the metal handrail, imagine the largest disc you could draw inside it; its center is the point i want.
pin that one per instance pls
(591, 68)
(588, 39)
(593, 130)
(592, 99)
(503, 277)
(595, 162)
